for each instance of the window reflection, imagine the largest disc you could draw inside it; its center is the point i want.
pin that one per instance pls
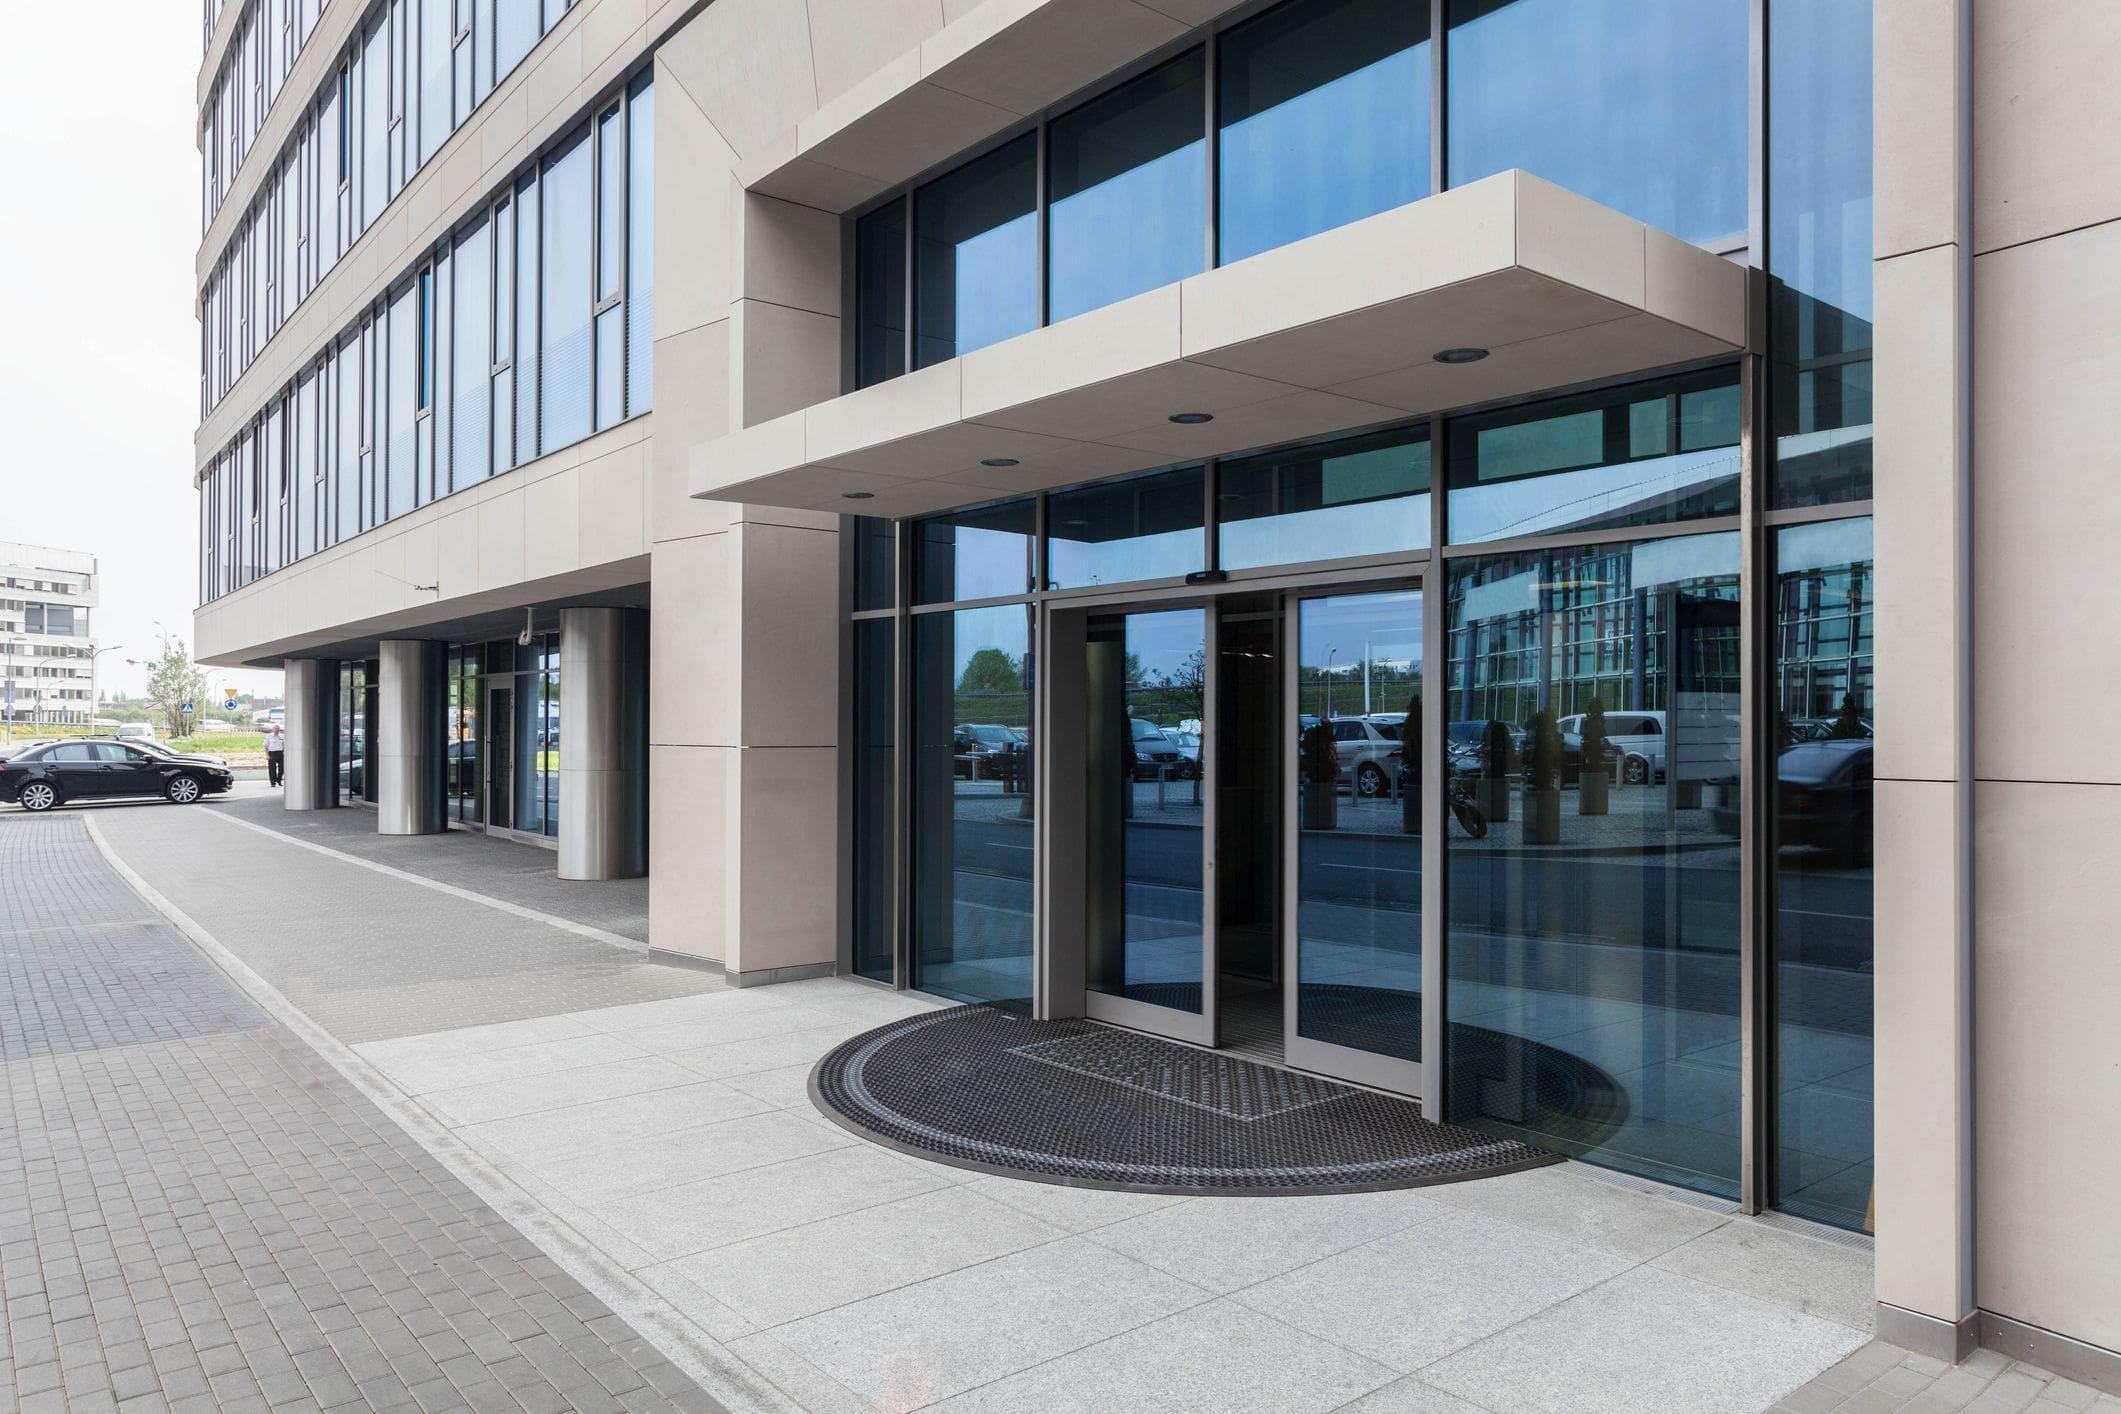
(977, 554)
(1145, 527)
(1593, 927)
(880, 293)
(1324, 119)
(972, 821)
(1129, 189)
(1363, 496)
(1819, 249)
(975, 274)
(1639, 105)
(1645, 454)
(1821, 875)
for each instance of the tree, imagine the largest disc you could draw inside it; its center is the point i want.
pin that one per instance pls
(173, 680)
(990, 670)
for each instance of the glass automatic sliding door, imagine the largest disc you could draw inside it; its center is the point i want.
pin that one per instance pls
(1353, 867)
(1148, 914)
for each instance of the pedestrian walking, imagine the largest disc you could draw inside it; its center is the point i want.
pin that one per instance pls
(275, 754)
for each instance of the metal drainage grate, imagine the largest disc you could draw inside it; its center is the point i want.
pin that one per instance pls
(1076, 1103)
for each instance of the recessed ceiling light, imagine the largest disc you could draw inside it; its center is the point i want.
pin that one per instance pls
(1189, 419)
(859, 495)
(997, 461)
(1461, 355)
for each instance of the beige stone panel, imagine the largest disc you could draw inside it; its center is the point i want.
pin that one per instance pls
(458, 567)
(1289, 418)
(607, 28)
(892, 124)
(1058, 466)
(790, 253)
(789, 592)
(552, 540)
(1127, 337)
(420, 547)
(2047, 118)
(501, 528)
(1105, 412)
(1023, 55)
(790, 358)
(2048, 1078)
(808, 486)
(1489, 312)
(1436, 241)
(810, 183)
(692, 386)
(827, 519)
(612, 515)
(695, 205)
(953, 451)
(916, 498)
(1193, 12)
(1918, 720)
(694, 642)
(851, 36)
(789, 858)
(690, 902)
(2047, 515)
(1914, 134)
(747, 64)
(1916, 996)
(1573, 238)
(1687, 285)
(916, 403)
(744, 455)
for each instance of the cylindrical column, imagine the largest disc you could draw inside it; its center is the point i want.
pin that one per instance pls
(604, 744)
(408, 738)
(312, 716)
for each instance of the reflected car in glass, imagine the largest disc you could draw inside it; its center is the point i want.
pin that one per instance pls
(1188, 744)
(1154, 754)
(983, 751)
(1636, 739)
(65, 771)
(1369, 749)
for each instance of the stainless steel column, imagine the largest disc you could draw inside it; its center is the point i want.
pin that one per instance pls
(311, 758)
(408, 736)
(603, 744)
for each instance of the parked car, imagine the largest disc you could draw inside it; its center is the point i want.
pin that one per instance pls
(1638, 737)
(136, 731)
(1803, 729)
(63, 771)
(1369, 750)
(1466, 745)
(1822, 798)
(1154, 753)
(978, 751)
(1188, 744)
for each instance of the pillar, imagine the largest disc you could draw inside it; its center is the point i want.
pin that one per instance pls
(409, 737)
(603, 744)
(312, 693)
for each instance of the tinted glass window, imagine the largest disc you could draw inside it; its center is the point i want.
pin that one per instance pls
(563, 374)
(1129, 189)
(875, 562)
(1593, 996)
(880, 291)
(471, 455)
(1646, 454)
(640, 250)
(977, 554)
(875, 811)
(1819, 249)
(1365, 496)
(1325, 119)
(975, 275)
(1147, 527)
(77, 751)
(1637, 104)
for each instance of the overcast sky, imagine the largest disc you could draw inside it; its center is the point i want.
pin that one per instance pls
(98, 233)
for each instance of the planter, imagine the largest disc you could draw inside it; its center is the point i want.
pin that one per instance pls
(1542, 816)
(1410, 809)
(1321, 806)
(1492, 795)
(1591, 791)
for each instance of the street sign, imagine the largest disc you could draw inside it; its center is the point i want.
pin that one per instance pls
(185, 708)
(231, 692)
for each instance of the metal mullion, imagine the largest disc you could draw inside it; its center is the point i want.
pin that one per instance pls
(1042, 201)
(902, 756)
(1211, 480)
(1617, 534)
(1756, 763)
(1211, 63)
(1438, 21)
(1434, 781)
(1806, 515)
(906, 364)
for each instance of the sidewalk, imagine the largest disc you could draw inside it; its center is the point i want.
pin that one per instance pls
(652, 1129)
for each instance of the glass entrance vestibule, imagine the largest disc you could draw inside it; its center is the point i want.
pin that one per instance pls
(1488, 760)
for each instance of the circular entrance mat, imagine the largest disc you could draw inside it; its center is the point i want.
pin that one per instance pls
(1074, 1102)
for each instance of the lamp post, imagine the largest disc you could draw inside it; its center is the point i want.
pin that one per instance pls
(1330, 652)
(95, 700)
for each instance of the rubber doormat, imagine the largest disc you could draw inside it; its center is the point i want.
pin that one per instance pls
(1074, 1102)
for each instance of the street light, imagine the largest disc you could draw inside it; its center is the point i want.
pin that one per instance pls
(1330, 652)
(95, 700)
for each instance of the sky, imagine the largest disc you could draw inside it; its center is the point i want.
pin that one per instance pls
(99, 369)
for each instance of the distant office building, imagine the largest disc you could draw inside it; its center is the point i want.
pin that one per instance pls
(47, 645)
(1062, 503)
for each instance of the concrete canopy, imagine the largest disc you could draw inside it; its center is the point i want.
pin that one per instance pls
(1329, 334)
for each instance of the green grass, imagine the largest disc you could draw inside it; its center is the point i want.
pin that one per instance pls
(220, 743)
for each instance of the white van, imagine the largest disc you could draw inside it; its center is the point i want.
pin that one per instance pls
(1637, 736)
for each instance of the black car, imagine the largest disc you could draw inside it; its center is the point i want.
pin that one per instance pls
(45, 776)
(1822, 798)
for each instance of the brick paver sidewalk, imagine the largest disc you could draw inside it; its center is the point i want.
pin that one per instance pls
(198, 1212)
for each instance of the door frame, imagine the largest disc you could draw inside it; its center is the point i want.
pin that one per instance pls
(1328, 1058)
(1061, 979)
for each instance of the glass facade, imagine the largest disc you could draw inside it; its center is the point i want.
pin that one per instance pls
(1819, 249)
(1821, 870)
(1358, 496)
(972, 737)
(1319, 113)
(980, 554)
(529, 328)
(412, 73)
(1147, 527)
